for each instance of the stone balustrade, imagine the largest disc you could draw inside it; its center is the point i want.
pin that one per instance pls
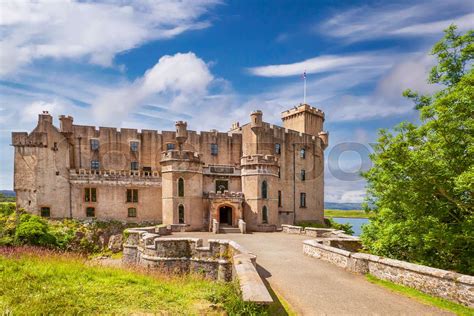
(188, 155)
(136, 177)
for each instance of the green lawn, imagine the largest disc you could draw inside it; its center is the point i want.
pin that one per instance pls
(347, 213)
(41, 282)
(458, 309)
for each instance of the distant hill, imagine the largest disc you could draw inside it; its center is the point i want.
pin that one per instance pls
(9, 193)
(342, 206)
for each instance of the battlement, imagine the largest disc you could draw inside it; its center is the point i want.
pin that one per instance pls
(224, 195)
(187, 155)
(258, 159)
(35, 139)
(300, 109)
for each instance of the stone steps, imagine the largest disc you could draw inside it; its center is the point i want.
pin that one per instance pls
(229, 230)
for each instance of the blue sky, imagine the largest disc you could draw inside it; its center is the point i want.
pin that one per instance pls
(146, 64)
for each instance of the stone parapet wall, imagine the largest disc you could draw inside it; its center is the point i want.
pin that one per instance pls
(318, 232)
(222, 260)
(441, 283)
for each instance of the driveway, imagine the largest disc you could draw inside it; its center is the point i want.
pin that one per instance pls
(316, 287)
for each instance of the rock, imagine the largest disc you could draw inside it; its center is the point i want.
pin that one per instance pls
(115, 243)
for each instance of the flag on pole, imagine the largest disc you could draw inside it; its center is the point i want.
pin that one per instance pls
(304, 89)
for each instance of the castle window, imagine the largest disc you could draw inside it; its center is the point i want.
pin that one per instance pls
(180, 187)
(303, 175)
(302, 199)
(134, 146)
(181, 214)
(277, 149)
(90, 211)
(134, 165)
(214, 149)
(90, 195)
(147, 171)
(264, 215)
(279, 199)
(222, 185)
(132, 212)
(95, 164)
(264, 190)
(45, 212)
(303, 153)
(94, 144)
(170, 146)
(132, 195)
(279, 172)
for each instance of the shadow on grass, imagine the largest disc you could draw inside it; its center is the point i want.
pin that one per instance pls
(279, 306)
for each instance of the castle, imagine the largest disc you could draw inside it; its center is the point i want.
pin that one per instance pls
(258, 173)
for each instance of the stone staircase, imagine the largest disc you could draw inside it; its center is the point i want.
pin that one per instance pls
(229, 230)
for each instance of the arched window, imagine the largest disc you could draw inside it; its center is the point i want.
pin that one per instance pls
(303, 153)
(264, 215)
(264, 190)
(180, 187)
(181, 214)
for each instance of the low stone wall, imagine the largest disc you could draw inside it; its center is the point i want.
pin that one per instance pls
(441, 283)
(222, 260)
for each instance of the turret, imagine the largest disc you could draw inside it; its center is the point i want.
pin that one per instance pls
(256, 119)
(44, 119)
(304, 119)
(181, 132)
(66, 124)
(324, 136)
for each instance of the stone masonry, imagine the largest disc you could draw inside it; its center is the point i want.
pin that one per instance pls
(258, 174)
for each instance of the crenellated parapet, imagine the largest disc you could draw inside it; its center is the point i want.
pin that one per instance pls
(180, 155)
(259, 164)
(300, 110)
(35, 139)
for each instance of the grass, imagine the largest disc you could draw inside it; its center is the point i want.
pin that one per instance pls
(458, 309)
(37, 281)
(347, 213)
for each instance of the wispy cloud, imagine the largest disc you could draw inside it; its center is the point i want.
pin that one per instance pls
(93, 32)
(397, 20)
(321, 64)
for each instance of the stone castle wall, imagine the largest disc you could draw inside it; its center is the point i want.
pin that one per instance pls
(222, 260)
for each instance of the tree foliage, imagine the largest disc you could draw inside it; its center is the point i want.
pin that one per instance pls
(422, 181)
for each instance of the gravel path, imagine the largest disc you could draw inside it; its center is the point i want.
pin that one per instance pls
(316, 287)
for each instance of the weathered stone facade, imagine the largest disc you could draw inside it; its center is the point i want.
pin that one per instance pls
(262, 174)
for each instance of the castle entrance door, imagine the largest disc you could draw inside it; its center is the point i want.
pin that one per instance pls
(225, 215)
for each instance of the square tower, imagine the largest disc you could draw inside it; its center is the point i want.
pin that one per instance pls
(304, 118)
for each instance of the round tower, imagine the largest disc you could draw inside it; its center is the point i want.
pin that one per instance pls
(260, 188)
(181, 133)
(256, 119)
(182, 204)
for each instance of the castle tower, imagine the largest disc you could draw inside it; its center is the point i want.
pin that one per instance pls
(182, 185)
(259, 185)
(304, 118)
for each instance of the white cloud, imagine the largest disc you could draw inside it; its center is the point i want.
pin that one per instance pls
(94, 32)
(318, 64)
(177, 81)
(421, 19)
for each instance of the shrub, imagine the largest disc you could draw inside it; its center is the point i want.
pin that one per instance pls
(34, 230)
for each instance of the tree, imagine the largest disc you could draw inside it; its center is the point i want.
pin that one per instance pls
(422, 181)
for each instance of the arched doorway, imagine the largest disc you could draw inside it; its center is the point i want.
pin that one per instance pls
(225, 215)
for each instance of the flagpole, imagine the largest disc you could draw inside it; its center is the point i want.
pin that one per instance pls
(304, 88)
(304, 95)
